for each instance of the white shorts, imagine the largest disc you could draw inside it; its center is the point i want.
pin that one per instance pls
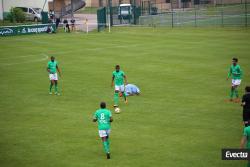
(236, 82)
(104, 133)
(120, 88)
(53, 77)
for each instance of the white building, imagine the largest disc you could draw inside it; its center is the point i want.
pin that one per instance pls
(5, 5)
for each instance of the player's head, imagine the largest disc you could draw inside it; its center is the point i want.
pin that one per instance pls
(247, 89)
(117, 68)
(52, 58)
(247, 123)
(234, 61)
(103, 105)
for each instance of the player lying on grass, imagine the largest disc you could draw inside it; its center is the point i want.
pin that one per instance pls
(235, 73)
(131, 90)
(119, 77)
(52, 67)
(104, 118)
(246, 106)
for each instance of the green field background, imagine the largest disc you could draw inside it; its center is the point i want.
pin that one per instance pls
(181, 118)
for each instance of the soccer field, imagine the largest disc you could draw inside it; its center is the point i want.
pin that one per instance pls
(181, 118)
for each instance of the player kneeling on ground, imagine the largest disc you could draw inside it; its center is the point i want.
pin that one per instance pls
(104, 117)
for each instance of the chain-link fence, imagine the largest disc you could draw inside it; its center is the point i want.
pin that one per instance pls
(196, 13)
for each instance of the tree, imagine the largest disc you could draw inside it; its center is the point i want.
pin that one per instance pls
(16, 15)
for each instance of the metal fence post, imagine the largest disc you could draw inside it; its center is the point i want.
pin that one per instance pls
(246, 24)
(172, 14)
(195, 16)
(110, 12)
(3, 10)
(222, 14)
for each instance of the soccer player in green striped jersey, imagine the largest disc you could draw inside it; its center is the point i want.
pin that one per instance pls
(235, 73)
(52, 68)
(104, 117)
(118, 76)
(245, 140)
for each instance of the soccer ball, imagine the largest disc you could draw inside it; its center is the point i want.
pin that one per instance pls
(117, 110)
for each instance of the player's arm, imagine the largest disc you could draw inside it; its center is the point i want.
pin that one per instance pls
(111, 119)
(243, 142)
(240, 72)
(94, 118)
(112, 81)
(243, 102)
(58, 69)
(48, 69)
(229, 73)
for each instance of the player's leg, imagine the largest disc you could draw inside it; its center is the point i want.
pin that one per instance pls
(237, 84)
(116, 96)
(105, 144)
(122, 89)
(108, 153)
(50, 87)
(107, 137)
(56, 83)
(103, 134)
(236, 93)
(232, 92)
(108, 143)
(51, 83)
(56, 87)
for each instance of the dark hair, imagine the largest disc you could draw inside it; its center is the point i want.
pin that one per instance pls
(103, 105)
(117, 66)
(247, 123)
(52, 57)
(247, 88)
(235, 59)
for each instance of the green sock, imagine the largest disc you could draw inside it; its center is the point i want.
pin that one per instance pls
(236, 93)
(50, 87)
(55, 87)
(116, 98)
(107, 141)
(106, 146)
(124, 95)
(232, 93)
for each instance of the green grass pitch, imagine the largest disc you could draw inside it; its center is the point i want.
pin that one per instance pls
(180, 120)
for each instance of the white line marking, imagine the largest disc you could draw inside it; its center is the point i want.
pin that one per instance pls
(4, 58)
(45, 57)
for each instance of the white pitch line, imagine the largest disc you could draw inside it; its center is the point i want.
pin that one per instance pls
(45, 57)
(4, 58)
